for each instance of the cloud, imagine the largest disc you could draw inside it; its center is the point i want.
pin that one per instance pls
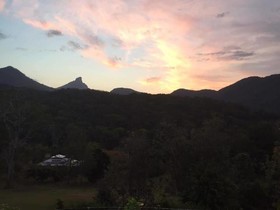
(212, 78)
(153, 79)
(222, 15)
(228, 54)
(240, 55)
(3, 36)
(44, 25)
(93, 40)
(52, 33)
(2, 5)
(173, 38)
(114, 62)
(73, 46)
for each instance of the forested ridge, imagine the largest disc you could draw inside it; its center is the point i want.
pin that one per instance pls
(163, 150)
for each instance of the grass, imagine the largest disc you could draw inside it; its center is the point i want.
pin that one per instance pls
(44, 197)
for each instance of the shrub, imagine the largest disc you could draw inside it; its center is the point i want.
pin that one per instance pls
(7, 207)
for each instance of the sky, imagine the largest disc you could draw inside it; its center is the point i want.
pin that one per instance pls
(154, 46)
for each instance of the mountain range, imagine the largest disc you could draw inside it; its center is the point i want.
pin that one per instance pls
(258, 93)
(11, 76)
(254, 92)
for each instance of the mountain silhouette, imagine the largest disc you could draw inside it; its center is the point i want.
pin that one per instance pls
(11, 76)
(123, 91)
(254, 92)
(76, 84)
(195, 93)
(258, 93)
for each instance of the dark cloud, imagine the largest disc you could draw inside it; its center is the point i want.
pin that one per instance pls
(240, 55)
(94, 40)
(228, 53)
(73, 46)
(222, 15)
(3, 36)
(52, 33)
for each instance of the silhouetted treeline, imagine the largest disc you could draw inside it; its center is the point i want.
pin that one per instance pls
(160, 149)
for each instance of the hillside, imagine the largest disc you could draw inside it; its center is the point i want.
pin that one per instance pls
(123, 91)
(11, 76)
(254, 92)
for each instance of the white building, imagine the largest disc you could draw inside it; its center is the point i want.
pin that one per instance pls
(59, 160)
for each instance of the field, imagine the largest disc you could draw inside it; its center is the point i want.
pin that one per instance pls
(44, 197)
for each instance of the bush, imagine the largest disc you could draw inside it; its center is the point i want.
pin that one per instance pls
(105, 197)
(7, 207)
(132, 204)
(59, 204)
(42, 173)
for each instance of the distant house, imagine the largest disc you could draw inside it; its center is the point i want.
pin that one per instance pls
(60, 160)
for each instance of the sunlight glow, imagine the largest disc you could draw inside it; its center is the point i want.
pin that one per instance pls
(176, 63)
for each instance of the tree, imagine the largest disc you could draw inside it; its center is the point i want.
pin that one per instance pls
(14, 117)
(95, 163)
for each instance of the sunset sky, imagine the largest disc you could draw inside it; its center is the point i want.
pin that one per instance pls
(153, 46)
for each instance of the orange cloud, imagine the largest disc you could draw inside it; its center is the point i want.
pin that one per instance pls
(152, 80)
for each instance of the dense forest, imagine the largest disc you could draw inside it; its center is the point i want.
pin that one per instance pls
(162, 150)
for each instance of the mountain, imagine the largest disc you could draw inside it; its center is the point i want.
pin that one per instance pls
(258, 93)
(76, 84)
(254, 92)
(195, 93)
(11, 76)
(123, 91)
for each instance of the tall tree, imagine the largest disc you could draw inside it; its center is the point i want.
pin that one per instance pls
(14, 117)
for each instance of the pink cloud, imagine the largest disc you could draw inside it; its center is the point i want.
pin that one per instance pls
(153, 79)
(165, 36)
(2, 5)
(40, 24)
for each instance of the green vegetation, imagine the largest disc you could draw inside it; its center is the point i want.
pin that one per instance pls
(132, 204)
(45, 197)
(161, 150)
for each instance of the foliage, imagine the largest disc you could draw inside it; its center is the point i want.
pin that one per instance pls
(44, 197)
(7, 207)
(43, 174)
(161, 149)
(104, 197)
(95, 163)
(132, 204)
(59, 204)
